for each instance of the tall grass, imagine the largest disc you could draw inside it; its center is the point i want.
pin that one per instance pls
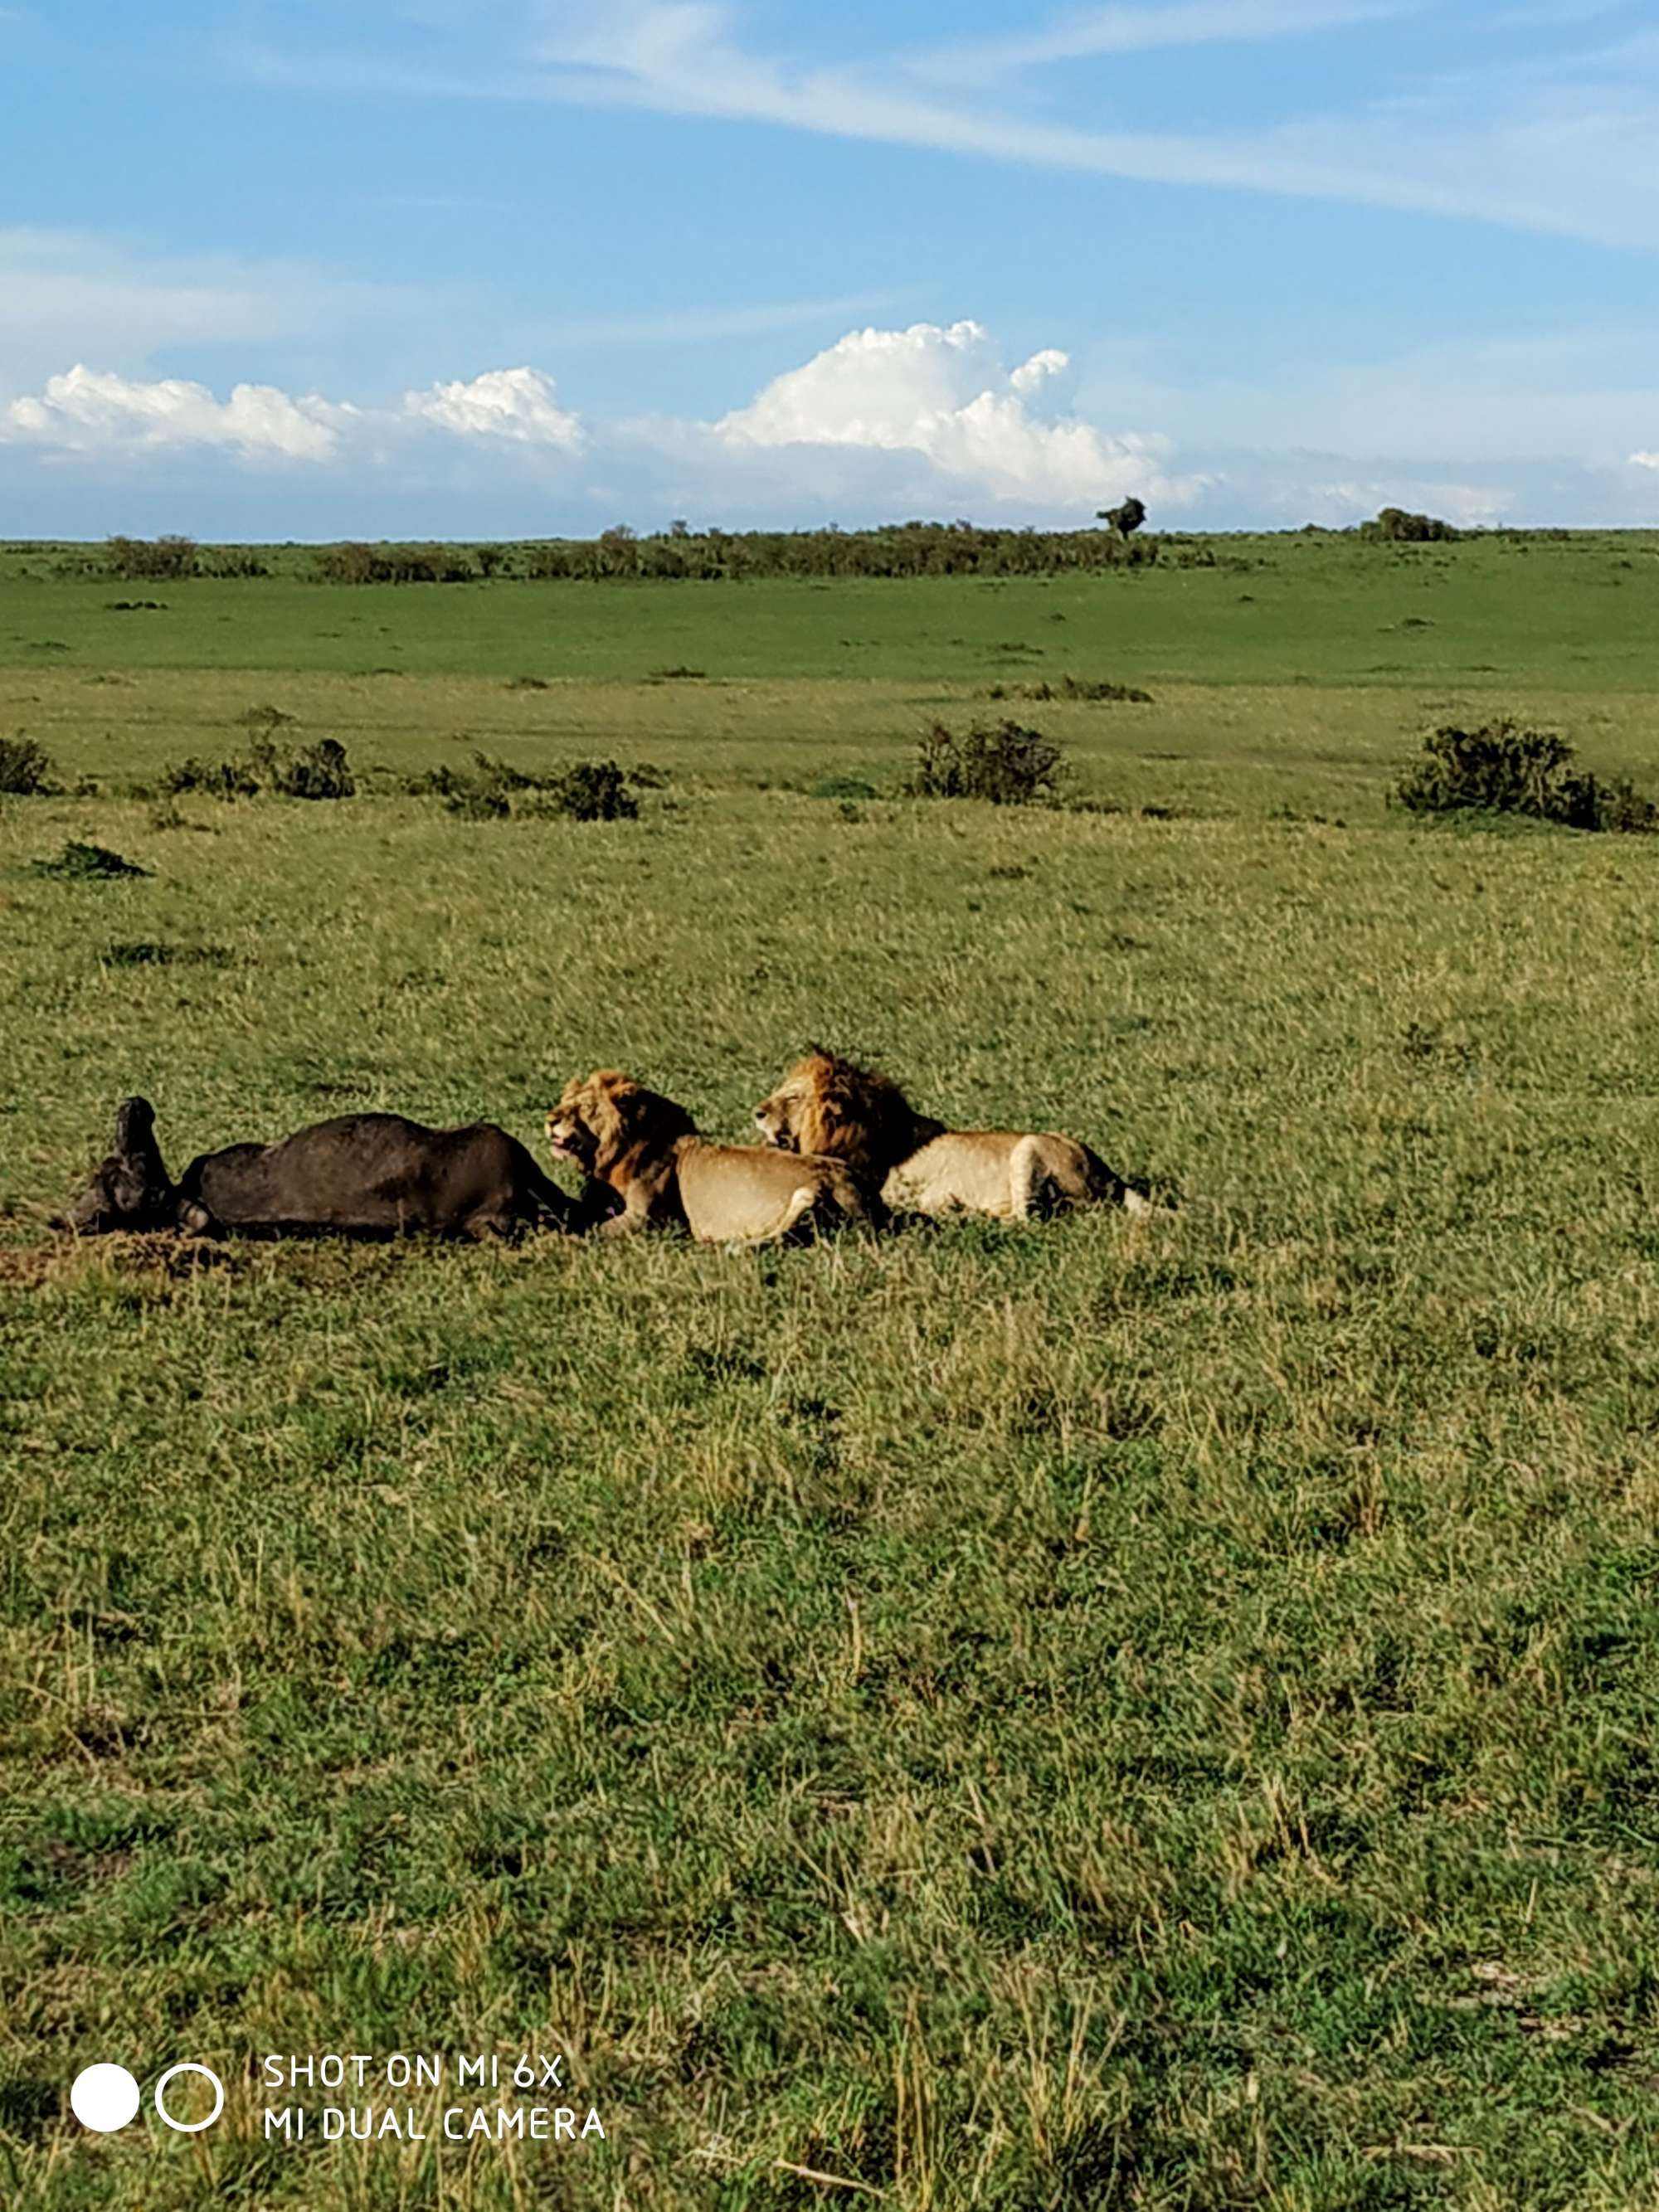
(1153, 1715)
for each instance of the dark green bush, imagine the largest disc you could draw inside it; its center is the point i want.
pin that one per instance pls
(1503, 768)
(1008, 766)
(349, 564)
(1619, 805)
(235, 561)
(589, 791)
(437, 783)
(150, 559)
(916, 547)
(592, 791)
(25, 769)
(505, 777)
(225, 779)
(319, 771)
(83, 863)
(1096, 690)
(148, 953)
(901, 549)
(1395, 526)
(484, 793)
(392, 564)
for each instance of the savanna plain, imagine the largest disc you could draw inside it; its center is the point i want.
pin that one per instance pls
(1150, 1713)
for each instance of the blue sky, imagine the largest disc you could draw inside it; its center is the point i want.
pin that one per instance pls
(271, 269)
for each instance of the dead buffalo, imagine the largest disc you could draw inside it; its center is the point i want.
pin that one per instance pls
(364, 1175)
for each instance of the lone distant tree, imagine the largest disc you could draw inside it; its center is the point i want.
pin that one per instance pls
(1124, 519)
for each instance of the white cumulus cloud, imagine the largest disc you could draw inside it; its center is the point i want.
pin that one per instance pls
(1032, 375)
(518, 404)
(86, 410)
(929, 419)
(95, 413)
(1644, 460)
(942, 393)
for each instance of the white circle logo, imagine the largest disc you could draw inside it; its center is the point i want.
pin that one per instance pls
(191, 2127)
(104, 2098)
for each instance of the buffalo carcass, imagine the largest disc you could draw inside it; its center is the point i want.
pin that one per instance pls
(363, 1174)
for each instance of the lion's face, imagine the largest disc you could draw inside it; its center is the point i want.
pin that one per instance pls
(602, 1116)
(776, 1117)
(574, 1125)
(826, 1105)
(569, 1138)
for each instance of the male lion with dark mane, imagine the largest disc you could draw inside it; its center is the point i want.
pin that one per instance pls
(649, 1151)
(828, 1106)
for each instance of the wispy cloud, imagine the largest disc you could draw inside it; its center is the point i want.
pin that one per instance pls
(64, 290)
(709, 324)
(1136, 28)
(1575, 151)
(1304, 496)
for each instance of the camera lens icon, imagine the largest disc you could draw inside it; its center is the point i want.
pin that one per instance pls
(189, 2127)
(105, 2098)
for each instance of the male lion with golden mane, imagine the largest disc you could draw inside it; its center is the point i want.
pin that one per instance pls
(647, 1149)
(826, 1105)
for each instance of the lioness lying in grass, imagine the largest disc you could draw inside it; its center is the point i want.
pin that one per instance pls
(647, 1149)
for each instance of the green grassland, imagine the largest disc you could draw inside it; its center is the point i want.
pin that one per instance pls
(1156, 1713)
(1577, 613)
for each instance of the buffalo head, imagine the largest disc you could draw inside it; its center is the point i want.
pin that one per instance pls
(131, 1188)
